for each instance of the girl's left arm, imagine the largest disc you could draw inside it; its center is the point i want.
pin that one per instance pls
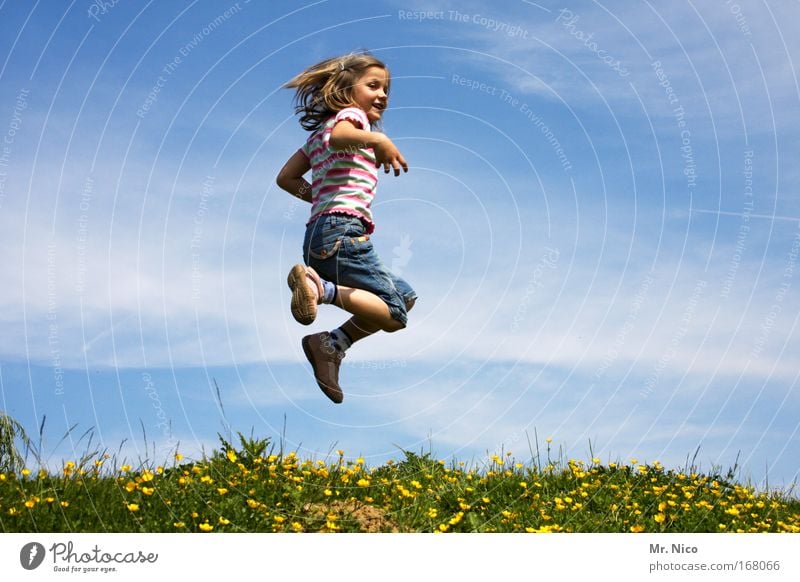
(290, 178)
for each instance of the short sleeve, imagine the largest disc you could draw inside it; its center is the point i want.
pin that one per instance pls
(355, 115)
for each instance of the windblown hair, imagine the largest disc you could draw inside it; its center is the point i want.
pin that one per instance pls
(324, 89)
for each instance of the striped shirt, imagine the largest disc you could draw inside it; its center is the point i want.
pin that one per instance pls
(342, 181)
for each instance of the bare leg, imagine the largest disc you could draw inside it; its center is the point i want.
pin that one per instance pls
(372, 314)
(358, 327)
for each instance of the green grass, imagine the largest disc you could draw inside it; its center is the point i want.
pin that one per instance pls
(252, 487)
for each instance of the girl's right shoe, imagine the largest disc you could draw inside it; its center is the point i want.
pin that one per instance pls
(307, 290)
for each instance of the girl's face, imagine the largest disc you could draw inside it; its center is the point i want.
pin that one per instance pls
(371, 92)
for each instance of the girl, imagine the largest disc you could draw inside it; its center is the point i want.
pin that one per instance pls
(339, 100)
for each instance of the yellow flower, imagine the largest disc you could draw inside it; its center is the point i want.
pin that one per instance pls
(722, 526)
(231, 454)
(2, 476)
(732, 511)
(205, 526)
(637, 528)
(548, 440)
(130, 486)
(297, 526)
(30, 504)
(432, 512)
(147, 490)
(26, 472)
(64, 504)
(133, 507)
(660, 517)
(222, 490)
(147, 476)
(363, 483)
(279, 519)
(179, 525)
(178, 457)
(206, 479)
(125, 468)
(223, 521)
(443, 527)
(328, 493)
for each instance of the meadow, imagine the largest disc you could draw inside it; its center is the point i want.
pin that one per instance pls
(256, 486)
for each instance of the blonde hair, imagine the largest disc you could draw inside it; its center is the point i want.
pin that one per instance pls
(324, 89)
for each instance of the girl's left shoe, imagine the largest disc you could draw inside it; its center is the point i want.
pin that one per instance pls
(307, 291)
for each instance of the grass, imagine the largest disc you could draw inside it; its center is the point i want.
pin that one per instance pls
(252, 487)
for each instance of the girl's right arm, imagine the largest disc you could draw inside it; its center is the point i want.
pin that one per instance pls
(290, 178)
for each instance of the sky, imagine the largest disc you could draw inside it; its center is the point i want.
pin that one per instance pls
(601, 221)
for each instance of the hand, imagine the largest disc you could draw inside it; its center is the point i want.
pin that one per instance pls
(388, 156)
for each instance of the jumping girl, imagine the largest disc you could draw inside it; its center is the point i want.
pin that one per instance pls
(339, 100)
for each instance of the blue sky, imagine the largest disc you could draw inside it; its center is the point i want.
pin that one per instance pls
(601, 219)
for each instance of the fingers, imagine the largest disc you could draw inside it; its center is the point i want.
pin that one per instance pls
(395, 164)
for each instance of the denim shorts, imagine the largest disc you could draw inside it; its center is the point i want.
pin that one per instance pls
(336, 246)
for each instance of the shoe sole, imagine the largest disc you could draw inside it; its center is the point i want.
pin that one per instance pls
(335, 394)
(304, 304)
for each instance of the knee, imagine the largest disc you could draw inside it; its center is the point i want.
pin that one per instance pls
(393, 326)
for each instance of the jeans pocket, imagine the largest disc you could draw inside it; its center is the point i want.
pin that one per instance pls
(325, 250)
(323, 241)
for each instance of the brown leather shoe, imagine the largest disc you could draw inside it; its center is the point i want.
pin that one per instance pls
(325, 360)
(307, 290)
